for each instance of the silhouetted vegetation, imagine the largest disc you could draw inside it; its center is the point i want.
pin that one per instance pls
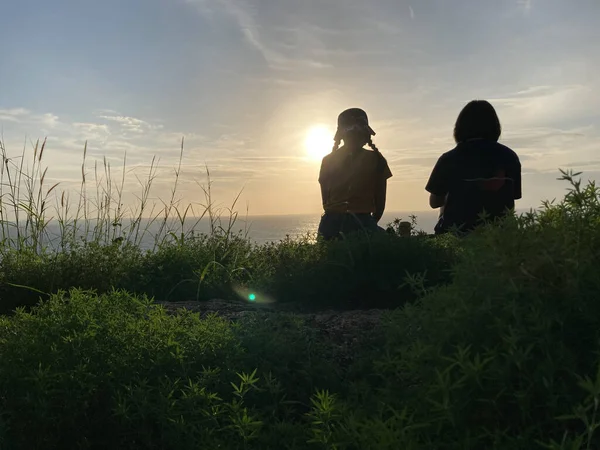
(98, 248)
(494, 343)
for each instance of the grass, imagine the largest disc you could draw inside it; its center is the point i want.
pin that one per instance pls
(492, 341)
(99, 247)
(96, 213)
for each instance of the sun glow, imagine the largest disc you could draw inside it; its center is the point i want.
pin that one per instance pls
(318, 142)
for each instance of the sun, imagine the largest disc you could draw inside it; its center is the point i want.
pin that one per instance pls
(318, 142)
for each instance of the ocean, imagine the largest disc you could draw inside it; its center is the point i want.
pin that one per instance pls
(259, 229)
(262, 229)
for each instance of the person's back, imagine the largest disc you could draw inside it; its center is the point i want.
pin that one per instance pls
(479, 176)
(349, 177)
(353, 179)
(482, 178)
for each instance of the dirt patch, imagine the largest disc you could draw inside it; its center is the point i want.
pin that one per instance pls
(344, 329)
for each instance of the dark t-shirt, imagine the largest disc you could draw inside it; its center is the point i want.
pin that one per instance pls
(477, 176)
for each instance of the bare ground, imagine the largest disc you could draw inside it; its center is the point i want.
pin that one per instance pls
(343, 329)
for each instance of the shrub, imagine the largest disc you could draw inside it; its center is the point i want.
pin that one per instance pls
(197, 268)
(358, 272)
(115, 371)
(283, 346)
(501, 351)
(86, 371)
(26, 276)
(506, 356)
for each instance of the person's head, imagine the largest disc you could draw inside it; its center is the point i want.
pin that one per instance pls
(477, 120)
(353, 128)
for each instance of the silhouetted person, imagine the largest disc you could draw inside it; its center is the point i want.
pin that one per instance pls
(353, 179)
(478, 176)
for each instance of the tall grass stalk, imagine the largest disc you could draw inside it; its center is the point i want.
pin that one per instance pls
(102, 218)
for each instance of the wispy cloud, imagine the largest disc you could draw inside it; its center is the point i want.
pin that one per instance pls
(21, 115)
(13, 115)
(130, 124)
(91, 127)
(114, 135)
(541, 91)
(547, 104)
(412, 12)
(244, 17)
(294, 40)
(49, 121)
(525, 5)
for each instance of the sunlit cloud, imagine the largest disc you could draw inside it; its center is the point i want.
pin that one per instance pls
(229, 159)
(130, 123)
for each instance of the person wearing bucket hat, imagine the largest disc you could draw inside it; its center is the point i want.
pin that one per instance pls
(353, 179)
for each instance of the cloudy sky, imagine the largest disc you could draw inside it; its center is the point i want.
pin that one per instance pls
(245, 81)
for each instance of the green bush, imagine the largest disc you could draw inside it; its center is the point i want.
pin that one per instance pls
(507, 355)
(361, 271)
(195, 268)
(25, 276)
(115, 371)
(502, 351)
(283, 346)
(358, 272)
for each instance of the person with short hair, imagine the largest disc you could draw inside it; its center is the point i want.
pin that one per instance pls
(478, 177)
(353, 179)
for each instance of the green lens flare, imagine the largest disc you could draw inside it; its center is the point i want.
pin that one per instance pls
(252, 297)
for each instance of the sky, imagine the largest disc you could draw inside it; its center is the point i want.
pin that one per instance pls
(247, 82)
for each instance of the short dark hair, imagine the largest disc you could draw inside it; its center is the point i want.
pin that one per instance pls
(477, 120)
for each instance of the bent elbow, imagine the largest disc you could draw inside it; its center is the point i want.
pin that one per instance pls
(436, 201)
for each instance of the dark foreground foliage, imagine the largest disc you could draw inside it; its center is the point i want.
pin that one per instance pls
(358, 272)
(505, 356)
